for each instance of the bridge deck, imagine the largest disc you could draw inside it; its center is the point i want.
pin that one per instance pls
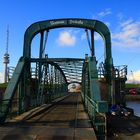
(65, 120)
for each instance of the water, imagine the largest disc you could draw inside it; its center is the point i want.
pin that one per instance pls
(134, 105)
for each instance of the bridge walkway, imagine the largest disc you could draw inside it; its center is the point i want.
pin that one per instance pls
(64, 120)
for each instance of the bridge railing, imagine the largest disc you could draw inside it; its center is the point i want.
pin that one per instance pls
(118, 71)
(11, 90)
(91, 95)
(28, 89)
(49, 81)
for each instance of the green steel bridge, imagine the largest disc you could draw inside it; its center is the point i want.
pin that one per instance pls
(41, 81)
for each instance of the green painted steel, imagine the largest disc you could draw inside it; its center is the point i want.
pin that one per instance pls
(93, 25)
(27, 91)
(71, 68)
(93, 78)
(91, 94)
(91, 87)
(11, 90)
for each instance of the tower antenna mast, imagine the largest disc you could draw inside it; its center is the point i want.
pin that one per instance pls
(7, 41)
(6, 58)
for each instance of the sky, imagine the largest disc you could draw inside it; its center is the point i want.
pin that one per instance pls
(121, 16)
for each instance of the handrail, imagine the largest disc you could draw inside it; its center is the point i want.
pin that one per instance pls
(10, 90)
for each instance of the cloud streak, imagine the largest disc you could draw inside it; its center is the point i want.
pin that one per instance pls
(128, 35)
(105, 12)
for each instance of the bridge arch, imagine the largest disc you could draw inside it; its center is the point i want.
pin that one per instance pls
(93, 25)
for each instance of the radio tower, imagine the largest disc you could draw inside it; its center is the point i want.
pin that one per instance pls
(6, 58)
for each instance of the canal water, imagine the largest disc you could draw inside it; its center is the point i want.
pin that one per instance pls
(134, 105)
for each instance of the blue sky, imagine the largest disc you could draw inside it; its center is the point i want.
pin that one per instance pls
(121, 16)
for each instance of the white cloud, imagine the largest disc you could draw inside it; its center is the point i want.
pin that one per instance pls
(134, 77)
(1, 77)
(66, 38)
(128, 35)
(105, 13)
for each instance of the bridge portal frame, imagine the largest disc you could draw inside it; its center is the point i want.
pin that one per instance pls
(92, 25)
